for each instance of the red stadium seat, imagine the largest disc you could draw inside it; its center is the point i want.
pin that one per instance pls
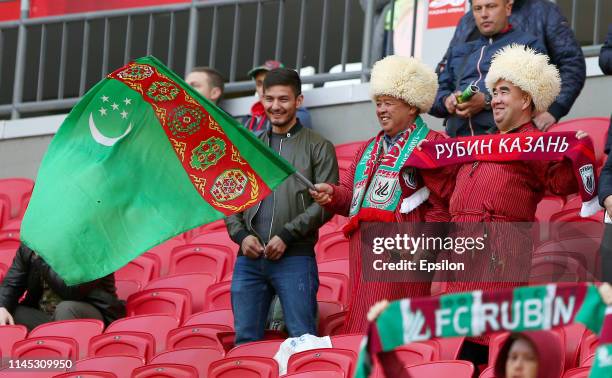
(335, 359)
(163, 251)
(228, 339)
(199, 335)
(495, 344)
(548, 206)
(589, 361)
(122, 366)
(488, 373)
(568, 224)
(332, 324)
(218, 296)
(7, 255)
(3, 270)
(216, 237)
(244, 367)
(156, 263)
(201, 258)
(407, 355)
(581, 372)
(332, 247)
(573, 334)
(17, 192)
(196, 283)
(333, 287)
(156, 325)
(588, 346)
(200, 358)
(125, 288)
(123, 343)
(349, 341)
(347, 151)
(81, 330)
(165, 371)
(47, 347)
(140, 269)
(448, 348)
(263, 348)
(9, 335)
(86, 374)
(316, 374)
(9, 239)
(455, 369)
(340, 266)
(222, 317)
(175, 302)
(557, 268)
(327, 309)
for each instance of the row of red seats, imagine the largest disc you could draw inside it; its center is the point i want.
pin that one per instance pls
(136, 336)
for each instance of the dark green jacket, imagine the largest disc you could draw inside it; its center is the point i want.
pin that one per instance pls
(26, 272)
(297, 217)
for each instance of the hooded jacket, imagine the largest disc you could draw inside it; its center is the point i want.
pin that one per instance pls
(543, 19)
(551, 358)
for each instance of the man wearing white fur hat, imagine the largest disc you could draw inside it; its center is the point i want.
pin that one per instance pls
(380, 187)
(505, 186)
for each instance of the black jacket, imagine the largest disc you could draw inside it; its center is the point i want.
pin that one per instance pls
(543, 19)
(605, 56)
(26, 272)
(468, 63)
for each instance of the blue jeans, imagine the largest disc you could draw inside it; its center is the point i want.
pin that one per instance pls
(294, 279)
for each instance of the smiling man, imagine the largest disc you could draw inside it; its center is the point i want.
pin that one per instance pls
(522, 83)
(380, 188)
(277, 236)
(468, 64)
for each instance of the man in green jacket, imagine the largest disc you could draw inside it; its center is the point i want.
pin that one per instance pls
(278, 235)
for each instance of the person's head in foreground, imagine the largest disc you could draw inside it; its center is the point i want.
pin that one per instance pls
(207, 81)
(401, 88)
(259, 74)
(530, 355)
(282, 95)
(522, 83)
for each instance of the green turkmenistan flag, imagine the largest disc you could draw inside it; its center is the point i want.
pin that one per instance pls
(141, 158)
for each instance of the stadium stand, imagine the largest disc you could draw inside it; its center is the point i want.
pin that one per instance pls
(156, 325)
(195, 283)
(124, 343)
(81, 330)
(46, 347)
(9, 335)
(167, 370)
(244, 366)
(335, 359)
(169, 301)
(200, 358)
(197, 335)
(121, 366)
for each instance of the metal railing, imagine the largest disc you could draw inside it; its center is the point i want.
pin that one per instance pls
(47, 64)
(54, 60)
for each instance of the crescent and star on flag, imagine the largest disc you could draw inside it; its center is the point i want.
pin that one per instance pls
(112, 112)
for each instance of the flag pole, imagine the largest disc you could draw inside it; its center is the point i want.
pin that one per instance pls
(304, 181)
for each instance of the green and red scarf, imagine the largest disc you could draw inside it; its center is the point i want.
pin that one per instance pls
(377, 192)
(477, 313)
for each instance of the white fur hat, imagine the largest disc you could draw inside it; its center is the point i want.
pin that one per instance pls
(528, 70)
(405, 78)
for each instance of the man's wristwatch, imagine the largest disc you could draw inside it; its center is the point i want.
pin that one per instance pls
(488, 98)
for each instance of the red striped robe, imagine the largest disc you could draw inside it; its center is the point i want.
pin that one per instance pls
(365, 294)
